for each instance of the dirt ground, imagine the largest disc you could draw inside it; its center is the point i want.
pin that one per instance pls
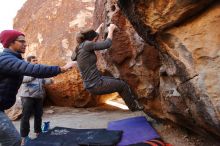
(100, 116)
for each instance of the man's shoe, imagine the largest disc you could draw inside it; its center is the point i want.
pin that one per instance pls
(25, 140)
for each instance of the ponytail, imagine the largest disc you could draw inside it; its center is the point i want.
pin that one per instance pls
(84, 35)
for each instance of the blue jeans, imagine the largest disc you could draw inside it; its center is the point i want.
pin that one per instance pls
(9, 136)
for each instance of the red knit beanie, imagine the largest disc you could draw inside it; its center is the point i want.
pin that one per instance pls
(9, 36)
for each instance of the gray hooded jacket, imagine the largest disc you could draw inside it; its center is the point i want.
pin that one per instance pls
(33, 87)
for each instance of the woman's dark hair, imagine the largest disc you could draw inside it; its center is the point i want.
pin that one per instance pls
(88, 34)
(29, 58)
(85, 35)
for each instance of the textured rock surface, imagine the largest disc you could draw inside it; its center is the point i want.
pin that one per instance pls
(126, 58)
(50, 27)
(68, 90)
(189, 54)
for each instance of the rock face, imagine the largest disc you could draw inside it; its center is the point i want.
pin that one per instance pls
(68, 90)
(173, 67)
(127, 56)
(50, 27)
(186, 36)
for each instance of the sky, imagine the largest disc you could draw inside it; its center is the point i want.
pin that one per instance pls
(8, 10)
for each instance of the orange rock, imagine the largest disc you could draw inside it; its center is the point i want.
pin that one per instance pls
(188, 47)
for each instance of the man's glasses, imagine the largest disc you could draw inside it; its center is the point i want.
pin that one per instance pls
(21, 41)
(34, 60)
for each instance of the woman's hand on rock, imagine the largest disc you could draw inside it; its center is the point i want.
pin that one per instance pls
(112, 27)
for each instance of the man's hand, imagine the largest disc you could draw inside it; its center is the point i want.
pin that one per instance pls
(68, 66)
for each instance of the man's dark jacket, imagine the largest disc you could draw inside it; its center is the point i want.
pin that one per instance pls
(12, 70)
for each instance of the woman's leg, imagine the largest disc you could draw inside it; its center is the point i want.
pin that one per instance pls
(109, 85)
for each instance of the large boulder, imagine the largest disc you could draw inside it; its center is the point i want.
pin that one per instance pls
(168, 53)
(68, 90)
(50, 27)
(186, 36)
(127, 56)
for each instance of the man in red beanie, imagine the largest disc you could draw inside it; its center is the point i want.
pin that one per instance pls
(9, 36)
(12, 70)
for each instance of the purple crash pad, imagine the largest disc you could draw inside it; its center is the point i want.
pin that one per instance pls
(135, 130)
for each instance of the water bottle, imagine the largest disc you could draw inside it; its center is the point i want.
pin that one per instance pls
(46, 126)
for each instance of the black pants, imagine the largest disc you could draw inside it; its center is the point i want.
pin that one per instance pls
(30, 105)
(110, 84)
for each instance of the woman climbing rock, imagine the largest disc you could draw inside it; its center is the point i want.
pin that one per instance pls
(86, 59)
